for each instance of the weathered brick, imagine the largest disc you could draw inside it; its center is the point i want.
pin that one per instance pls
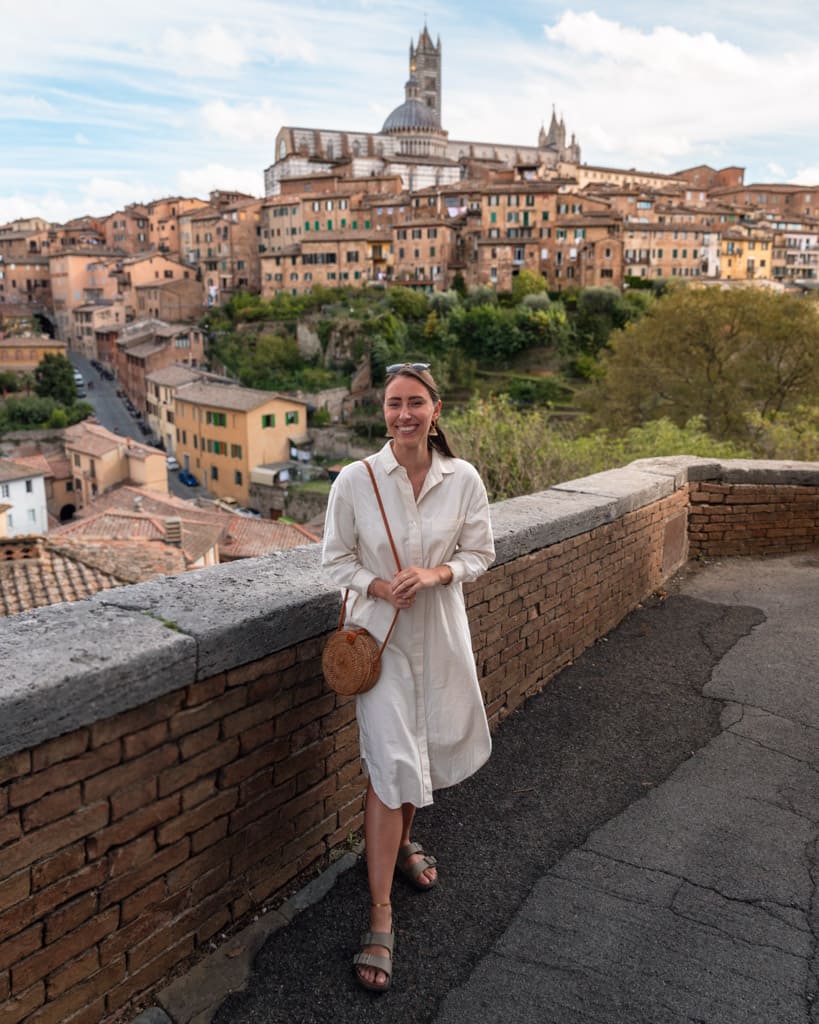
(137, 743)
(75, 971)
(198, 791)
(136, 824)
(52, 808)
(188, 874)
(70, 916)
(69, 886)
(163, 861)
(188, 771)
(262, 757)
(134, 984)
(194, 743)
(53, 956)
(249, 811)
(209, 835)
(15, 766)
(14, 889)
(139, 718)
(65, 862)
(17, 918)
(205, 690)
(269, 666)
(20, 1008)
(35, 845)
(60, 749)
(58, 776)
(62, 1010)
(126, 801)
(201, 815)
(130, 772)
(10, 828)
(125, 858)
(307, 758)
(196, 718)
(14, 950)
(135, 906)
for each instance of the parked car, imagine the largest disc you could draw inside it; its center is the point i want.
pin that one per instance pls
(187, 478)
(172, 462)
(251, 513)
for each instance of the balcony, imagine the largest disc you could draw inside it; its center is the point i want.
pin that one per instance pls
(170, 760)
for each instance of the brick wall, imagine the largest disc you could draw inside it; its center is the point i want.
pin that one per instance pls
(749, 519)
(130, 840)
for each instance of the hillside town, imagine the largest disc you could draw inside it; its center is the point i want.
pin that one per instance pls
(123, 294)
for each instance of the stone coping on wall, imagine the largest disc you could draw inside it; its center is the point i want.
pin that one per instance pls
(66, 666)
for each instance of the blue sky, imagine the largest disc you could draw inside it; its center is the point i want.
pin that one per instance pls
(101, 105)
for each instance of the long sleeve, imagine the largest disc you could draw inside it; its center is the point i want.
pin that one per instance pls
(339, 554)
(476, 547)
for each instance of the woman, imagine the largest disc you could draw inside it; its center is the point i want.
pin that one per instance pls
(423, 725)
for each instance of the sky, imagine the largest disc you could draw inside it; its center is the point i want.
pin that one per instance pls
(106, 104)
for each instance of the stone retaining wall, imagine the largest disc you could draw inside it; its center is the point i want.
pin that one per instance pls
(170, 758)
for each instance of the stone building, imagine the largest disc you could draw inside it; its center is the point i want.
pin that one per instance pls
(412, 141)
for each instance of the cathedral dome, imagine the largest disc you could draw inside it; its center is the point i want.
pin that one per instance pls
(411, 115)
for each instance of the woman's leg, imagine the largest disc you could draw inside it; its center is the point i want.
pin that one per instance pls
(382, 833)
(407, 815)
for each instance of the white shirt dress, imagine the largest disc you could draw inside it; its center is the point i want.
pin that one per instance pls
(423, 726)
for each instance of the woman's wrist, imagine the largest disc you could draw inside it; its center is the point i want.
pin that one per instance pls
(445, 575)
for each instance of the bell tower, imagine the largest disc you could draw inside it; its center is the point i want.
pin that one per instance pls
(425, 68)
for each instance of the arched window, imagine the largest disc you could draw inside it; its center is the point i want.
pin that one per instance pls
(282, 150)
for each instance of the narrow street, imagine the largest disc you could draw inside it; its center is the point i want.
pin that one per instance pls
(111, 413)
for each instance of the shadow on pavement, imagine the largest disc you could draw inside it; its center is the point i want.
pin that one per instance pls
(600, 736)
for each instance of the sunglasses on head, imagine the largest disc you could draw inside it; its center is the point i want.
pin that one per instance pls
(395, 367)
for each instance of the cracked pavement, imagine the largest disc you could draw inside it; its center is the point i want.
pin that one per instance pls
(698, 903)
(640, 849)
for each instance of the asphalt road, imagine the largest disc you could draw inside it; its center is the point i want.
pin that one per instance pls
(601, 737)
(111, 413)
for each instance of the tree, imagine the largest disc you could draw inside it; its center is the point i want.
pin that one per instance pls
(527, 282)
(8, 382)
(722, 355)
(54, 378)
(523, 451)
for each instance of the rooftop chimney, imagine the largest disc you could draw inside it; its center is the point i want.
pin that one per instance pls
(173, 530)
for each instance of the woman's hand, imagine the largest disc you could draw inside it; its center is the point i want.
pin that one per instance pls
(407, 582)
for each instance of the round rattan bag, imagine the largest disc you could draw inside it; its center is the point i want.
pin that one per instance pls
(351, 661)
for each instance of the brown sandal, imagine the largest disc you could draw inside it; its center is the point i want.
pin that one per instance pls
(412, 872)
(376, 960)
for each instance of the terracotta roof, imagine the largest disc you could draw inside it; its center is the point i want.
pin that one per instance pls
(19, 470)
(40, 464)
(237, 536)
(92, 439)
(133, 561)
(138, 527)
(173, 376)
(249, 538)
(229, 396)
(34, 574)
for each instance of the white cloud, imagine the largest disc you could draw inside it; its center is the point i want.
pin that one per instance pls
(200, 181)
(248, 123)
(210, 50)
(81, 139)
(806, 176)
(776, 171)
(673, 93)
(26, 108)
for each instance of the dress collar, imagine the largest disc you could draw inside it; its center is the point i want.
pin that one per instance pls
(441, 465)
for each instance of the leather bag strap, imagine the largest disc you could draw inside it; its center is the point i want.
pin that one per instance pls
(394, 552)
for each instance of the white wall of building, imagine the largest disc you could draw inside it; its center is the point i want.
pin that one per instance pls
(28, 512)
